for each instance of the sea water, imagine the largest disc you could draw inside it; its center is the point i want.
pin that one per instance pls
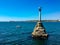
(12, 35)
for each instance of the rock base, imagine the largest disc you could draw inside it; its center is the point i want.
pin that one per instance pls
(44, 36)
(39, 32)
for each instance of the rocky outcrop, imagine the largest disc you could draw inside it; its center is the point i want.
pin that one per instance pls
(39, 31)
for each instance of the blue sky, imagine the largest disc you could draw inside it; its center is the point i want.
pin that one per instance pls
(18, 10)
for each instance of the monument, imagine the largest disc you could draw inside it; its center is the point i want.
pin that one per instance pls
(39, 30)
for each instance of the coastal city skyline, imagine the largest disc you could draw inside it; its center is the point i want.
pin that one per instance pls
(20, 10)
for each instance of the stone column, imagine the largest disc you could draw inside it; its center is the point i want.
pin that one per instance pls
(39, 30)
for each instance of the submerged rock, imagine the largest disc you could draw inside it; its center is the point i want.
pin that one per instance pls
(18, 26)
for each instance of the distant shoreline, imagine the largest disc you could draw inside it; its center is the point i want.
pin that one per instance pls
(34, 21)
(44, 21)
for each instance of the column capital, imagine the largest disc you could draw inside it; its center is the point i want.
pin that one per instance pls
(39, 8)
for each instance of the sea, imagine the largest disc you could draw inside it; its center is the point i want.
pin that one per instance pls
(20, 33)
